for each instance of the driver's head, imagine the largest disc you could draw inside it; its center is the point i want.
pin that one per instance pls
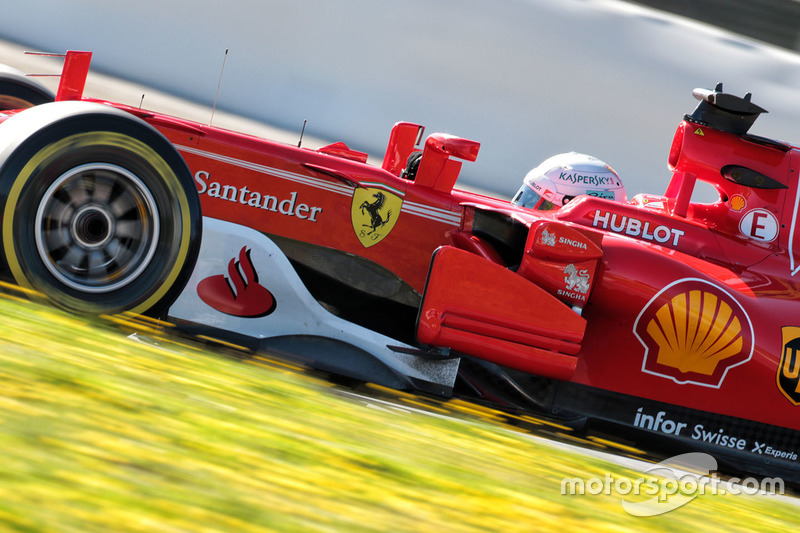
(560, 178)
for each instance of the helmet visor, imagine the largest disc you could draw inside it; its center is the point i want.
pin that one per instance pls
(527, 197)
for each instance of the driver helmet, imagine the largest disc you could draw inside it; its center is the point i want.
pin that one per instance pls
(560, 178)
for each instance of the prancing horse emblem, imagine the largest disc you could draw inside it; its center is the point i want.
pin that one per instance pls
(374, 213)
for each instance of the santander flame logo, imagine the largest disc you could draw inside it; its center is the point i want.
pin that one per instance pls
(238, 293)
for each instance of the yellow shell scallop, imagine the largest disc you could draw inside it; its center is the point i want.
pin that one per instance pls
(737, 202)
(695, 331)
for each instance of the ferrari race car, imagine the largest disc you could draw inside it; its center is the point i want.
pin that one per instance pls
(659, 317)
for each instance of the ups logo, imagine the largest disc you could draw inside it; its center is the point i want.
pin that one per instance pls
(788, 376)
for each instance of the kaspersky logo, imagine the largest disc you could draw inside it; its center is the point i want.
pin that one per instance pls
(238, 293)
(788, 376)
(694, 332)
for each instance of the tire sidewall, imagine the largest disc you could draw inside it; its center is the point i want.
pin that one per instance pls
(16, 88)
(102, 138)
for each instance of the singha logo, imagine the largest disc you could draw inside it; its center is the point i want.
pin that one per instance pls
(548, 239)
(238, 293)
(575, 280)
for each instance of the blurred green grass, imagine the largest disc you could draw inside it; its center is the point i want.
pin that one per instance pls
(102, 432)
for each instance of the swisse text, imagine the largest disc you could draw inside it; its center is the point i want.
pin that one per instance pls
(660, 422)
(244, 196)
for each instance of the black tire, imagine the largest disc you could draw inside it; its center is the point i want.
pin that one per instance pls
(100, 212)
(18, 91)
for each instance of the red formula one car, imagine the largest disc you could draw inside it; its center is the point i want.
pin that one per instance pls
(660, 317)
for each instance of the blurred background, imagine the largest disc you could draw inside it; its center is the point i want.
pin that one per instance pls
(526, 78)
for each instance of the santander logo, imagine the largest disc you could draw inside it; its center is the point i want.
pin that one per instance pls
(238, 293)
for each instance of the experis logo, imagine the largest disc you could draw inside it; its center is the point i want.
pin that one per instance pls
(238, 293)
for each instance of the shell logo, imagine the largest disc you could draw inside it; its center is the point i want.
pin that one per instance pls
(694, 332)
(738, 202)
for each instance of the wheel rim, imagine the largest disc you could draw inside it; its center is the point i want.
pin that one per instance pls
(13, 102)
(97, 228)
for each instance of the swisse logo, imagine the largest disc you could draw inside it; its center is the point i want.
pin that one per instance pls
(238, 293)
(694, 332)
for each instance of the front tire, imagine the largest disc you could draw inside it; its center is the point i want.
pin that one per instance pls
(100, 211)
(18, 91)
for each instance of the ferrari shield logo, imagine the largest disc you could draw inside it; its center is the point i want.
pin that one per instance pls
(373, 214)
(788, 377)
